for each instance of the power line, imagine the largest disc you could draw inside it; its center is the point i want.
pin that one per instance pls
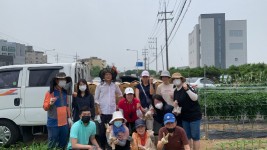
(160, 53)
(181, 21)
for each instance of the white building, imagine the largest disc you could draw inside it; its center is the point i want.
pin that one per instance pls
(236, 42)
(218, 42)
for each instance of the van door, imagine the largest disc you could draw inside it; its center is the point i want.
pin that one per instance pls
(10, 92)
(37, 84)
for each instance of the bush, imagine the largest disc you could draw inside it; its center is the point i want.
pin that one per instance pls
(233, 102)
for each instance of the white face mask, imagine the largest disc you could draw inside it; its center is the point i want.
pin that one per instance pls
(82, 88)
(177, 82)
(62, 83)
(159, 105)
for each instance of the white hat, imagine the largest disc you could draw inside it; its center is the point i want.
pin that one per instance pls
(129, 90)
(117, 115)
(145, 73)
(165, 73)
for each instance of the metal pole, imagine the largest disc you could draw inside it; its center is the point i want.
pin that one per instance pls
(136, 63)
(166, 36)
(205, 101)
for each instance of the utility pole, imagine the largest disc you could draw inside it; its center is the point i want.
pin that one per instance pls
(144, 53)
(76, 57)
(57, 58)
(166, 32)
(162, 57)
(156, 48)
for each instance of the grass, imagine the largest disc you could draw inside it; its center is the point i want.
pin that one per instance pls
(23, 146)
(243, 144)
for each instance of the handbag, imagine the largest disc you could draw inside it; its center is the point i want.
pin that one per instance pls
(148, 100)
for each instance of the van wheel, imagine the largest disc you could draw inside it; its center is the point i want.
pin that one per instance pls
(9, 133)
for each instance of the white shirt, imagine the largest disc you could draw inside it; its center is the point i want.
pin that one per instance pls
(105, 97)
(166, 91)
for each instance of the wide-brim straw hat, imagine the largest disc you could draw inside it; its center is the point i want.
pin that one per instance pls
(62, 75)
(117, 115)
(177, 75)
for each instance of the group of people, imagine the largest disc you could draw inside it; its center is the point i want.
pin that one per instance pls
(171, 110)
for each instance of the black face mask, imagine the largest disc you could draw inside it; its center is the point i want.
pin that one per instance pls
(171, 130)
(85, 119)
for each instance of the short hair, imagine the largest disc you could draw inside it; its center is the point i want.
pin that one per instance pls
(84, 108)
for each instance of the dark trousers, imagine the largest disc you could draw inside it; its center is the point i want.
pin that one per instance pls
(58, 137)
(102, 132)
(131, 127)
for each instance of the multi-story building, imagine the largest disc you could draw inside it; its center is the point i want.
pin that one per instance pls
(34, 57)
(218, 42)
(94, 61)
(16, 50)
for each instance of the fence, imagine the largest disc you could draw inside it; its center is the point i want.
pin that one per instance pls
(233, 112)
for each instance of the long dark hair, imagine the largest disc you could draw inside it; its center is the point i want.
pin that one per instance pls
(79, 91)
(158, 97)
(53, 84)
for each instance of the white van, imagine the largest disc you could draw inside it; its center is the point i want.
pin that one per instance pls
(22, 91)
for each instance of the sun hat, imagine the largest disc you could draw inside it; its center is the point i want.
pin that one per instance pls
(165, 73)
(129, 90)
(117, 115)
(139, 122)
(169, 117)
(145, 73)
(177, 75)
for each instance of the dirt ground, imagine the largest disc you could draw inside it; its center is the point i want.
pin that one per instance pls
(217, 144)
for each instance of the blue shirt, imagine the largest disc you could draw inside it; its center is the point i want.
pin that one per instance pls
(82, 133)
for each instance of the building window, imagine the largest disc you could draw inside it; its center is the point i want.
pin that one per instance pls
(236, 59)
(9, 79)
(11, 49)
(4, 48)
(236, 46)
(236, 33)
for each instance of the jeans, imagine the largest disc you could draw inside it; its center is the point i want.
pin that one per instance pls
(102, 132)
(58, 137)
(192, 129)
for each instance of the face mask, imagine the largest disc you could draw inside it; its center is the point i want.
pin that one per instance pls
(159, 105)
(177, 82)
(117, 123)
(62, 83)
(82, 88)
(85, 119)
(171, 130)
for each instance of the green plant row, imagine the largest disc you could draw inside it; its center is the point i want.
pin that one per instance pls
(228, 103)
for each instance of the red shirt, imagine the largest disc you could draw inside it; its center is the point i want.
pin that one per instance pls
(129, 109)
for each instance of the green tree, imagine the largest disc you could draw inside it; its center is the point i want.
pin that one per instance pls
(94, 71)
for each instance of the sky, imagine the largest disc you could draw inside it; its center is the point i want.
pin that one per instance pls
(106, 28)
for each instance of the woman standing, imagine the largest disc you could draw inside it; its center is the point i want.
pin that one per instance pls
(145, 90)
(83, 98)
(165, 89)
(186, 97)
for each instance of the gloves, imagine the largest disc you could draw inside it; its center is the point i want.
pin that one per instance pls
(148, 114)
(70, 122)
(164, 139)
(107, 128)
(151, 133)
(139, 113)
